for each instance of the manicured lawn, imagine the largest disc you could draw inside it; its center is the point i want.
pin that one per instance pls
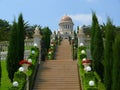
(5, 80)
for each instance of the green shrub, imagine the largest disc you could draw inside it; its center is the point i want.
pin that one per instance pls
(20, 77)
(81, 48)
(92, 88)
(82, 56)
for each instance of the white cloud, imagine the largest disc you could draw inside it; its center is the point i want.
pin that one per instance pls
(84, 19)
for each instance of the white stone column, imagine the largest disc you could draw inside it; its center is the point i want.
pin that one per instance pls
(81, 36)
(37, 41)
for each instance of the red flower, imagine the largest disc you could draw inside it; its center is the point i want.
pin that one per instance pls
(86, 61)
(25, 62)
(52, 43)
(50, 50)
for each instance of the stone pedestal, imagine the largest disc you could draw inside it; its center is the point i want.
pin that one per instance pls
(81, 36)
(37, 40)
(37, 37)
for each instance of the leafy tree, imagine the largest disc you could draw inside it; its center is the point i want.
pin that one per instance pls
(45, 43)
(86, 29)
(116, 64)
(4, 23)
(4, 33)
(4, 30)
(12, 64)
(46, 32)
(20, 37)
(108, 56)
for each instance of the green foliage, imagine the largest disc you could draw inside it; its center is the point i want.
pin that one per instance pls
(97, 47)
(98, 52)
(116, 64)
(20, 77)
(92, 88)
(108, 57)
(16, 47)
(33, 69)
(4, 30)
(34, 58)
(87, 76)
(93, 30)
(100, 84)
(12, 62)
(0, 72)
(20, 38)
(52, 50)
(5, 81)
(46, 32)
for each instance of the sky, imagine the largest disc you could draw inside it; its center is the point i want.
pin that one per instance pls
(49, 12)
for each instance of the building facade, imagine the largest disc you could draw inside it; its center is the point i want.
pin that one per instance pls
(66, 26)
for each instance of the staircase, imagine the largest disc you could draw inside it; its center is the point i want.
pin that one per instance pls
(59, 74)
(64, 51)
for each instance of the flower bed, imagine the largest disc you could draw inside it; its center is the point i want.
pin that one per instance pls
(51, 50)
(89, 79)
(28, 69)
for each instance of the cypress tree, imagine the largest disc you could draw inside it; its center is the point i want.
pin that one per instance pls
(0, 71)
(98, 52)
(21, 37)
(16, 47)
(116, 64)
(108, 56)
(93, 30)
(46, 36)
(12, 51)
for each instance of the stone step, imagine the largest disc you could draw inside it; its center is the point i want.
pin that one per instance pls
(64, 51)
(58, 74)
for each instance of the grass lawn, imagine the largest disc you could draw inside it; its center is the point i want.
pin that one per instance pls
(5, 82)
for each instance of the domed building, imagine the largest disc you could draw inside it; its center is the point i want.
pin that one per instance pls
(66, 26)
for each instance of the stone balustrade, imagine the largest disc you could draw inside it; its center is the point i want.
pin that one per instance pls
(4, 48)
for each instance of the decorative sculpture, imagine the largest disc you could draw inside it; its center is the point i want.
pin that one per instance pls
(37, 31)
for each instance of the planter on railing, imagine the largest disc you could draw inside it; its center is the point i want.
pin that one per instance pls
(89, 79)
(52, 50)
(25, 76)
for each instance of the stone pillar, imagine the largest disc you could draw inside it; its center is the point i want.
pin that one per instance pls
(58, 35)
(37, 37)
(37, 40)
(81, 36)
(72, 35)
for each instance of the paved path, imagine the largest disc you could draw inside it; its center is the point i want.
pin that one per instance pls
(59, 74)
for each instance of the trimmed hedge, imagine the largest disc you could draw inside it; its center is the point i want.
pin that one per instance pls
(20, 77)
(51, 51)
(87, 76)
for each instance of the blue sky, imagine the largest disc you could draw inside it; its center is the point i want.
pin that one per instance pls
(49, 12)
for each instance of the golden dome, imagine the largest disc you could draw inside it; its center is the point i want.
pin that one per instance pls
(66, 19)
